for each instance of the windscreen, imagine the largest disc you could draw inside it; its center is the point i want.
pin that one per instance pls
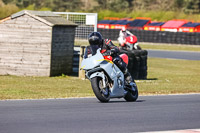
(94, 49)
(90, 51)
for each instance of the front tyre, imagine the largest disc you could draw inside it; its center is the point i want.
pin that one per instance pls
(132, 95)
(100, 92)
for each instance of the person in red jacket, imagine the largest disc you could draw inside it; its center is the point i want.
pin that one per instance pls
(108, 48)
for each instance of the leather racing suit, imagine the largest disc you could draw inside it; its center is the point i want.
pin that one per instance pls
(108, 48)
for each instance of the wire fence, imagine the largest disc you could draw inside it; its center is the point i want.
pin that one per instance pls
(87, 23)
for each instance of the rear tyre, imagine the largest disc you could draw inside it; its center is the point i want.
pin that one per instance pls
(131, 95)
(101, 93)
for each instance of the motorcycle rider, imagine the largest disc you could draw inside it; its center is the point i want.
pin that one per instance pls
(108, 48)
(123, 33)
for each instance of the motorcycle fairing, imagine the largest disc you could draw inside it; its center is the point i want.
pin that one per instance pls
(92, 61)
(96, 64)
(117, 77)
(115, 74)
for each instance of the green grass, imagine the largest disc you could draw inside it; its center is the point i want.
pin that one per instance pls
(14, 87)
(171, 76)
(158, 46)
(165, 76)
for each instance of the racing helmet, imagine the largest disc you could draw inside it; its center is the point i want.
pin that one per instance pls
(96, 41)
(123, 29)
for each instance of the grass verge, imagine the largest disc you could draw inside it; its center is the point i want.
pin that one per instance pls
(14, 87)
(168, 76)
(165, 76)
(172, 47)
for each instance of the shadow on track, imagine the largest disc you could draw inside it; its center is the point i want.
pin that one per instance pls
(122, 101)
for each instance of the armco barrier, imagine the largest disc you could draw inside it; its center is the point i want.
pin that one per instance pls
(156, 36)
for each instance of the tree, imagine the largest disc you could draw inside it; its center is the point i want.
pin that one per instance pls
(22, 3)
(130, 4)
(164, 5)
(102, 4)
(67, 5)
(179, 4)
(118, 5)
(1, 3)
(142, 4)
(192, 6)
(7, 9)
(114, 5)
(7, 1)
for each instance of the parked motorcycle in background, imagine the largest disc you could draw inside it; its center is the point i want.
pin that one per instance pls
(106, 78)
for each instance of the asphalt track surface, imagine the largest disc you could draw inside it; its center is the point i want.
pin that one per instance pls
(88, 115)
(184, 55)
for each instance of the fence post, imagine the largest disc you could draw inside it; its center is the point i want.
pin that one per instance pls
(81, 73)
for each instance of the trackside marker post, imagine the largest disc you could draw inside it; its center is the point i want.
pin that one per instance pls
(81, 71)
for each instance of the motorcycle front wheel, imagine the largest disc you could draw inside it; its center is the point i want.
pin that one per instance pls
(131, 95)
(100, 92)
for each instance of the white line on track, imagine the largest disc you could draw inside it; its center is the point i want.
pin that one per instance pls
(177, 131)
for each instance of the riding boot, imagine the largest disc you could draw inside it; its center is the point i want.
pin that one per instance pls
(129, 83)
(123, 67)
(127, 76)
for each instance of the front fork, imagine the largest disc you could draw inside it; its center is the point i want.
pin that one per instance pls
(99, 74)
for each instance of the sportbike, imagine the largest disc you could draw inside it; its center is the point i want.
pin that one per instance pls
(106, 78)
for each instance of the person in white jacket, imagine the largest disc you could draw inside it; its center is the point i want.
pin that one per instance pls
(122, 39)
(122, 36)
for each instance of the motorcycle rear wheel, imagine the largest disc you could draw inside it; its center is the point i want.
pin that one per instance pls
(131, 96)
(101, 93)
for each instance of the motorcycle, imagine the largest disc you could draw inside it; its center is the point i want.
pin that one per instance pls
(107, 80)
(130, 43)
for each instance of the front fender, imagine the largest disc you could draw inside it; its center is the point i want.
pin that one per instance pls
(99, 74)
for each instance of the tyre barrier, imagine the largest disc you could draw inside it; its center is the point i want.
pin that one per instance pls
(137, 65)
(76, 59)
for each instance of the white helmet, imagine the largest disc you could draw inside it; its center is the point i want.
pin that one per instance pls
(123, 29)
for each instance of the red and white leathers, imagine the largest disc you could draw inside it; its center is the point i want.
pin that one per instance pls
(122, 36)
(127, 40)
(108, 48)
